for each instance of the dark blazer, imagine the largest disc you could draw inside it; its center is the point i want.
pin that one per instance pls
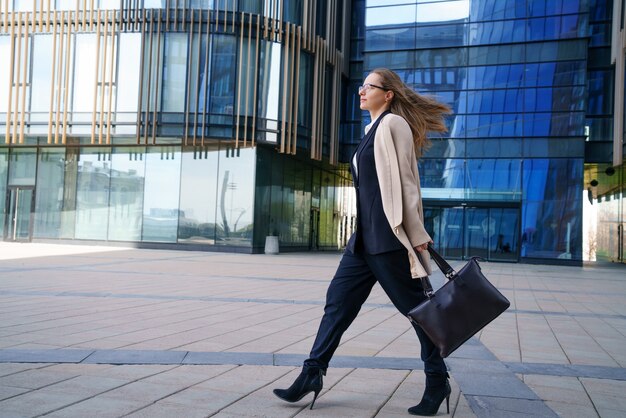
(373, 234)
(397, 180)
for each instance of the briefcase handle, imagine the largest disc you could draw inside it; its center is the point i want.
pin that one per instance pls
(445, 268)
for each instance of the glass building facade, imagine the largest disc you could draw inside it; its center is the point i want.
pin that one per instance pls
(530, 84)
(196, 124)
(212, 124)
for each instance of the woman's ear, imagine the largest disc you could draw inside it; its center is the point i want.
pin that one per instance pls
(389, 96)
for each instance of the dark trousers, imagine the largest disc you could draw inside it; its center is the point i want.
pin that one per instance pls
(352, 284)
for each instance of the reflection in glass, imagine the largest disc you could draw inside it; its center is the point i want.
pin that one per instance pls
(153, 54)
(174, 72)
(551, 221)
(442, 178)
(391, 15)
(248, 68)
(161, 194)
(493, 179)
(84, 74)
(235, 185)
(92, 194)
(450, 223)
(269, 86)
(5, 56)
(126, 195)
(445, 11)
(223, 74)
(49, 193)
(128, 73)
(198, 194)
(42, 77)
(4, 168)
(199, 75)
(22, 166)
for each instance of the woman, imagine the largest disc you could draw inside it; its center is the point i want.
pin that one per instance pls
(390, 242)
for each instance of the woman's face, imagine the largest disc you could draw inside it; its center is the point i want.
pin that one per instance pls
(373, 96)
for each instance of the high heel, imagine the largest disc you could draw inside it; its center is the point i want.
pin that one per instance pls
(309, 380)
(437, 390)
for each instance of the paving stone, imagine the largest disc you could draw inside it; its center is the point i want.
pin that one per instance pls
(100, 407)
(9, 392)
(34, 378)
(496, 407)
(43, 356)
(493, 384)
(170, 410)
(228, 358)
(136, 357)
(36, 403)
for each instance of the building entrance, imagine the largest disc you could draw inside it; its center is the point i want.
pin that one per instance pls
(466, 230)
(19, 208)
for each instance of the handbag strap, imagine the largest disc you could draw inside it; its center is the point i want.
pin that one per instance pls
(428, 288)
(445, 268)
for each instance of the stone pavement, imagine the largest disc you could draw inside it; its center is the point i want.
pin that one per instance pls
(102, 331)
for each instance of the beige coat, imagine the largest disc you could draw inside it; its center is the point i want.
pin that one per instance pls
(396, 168)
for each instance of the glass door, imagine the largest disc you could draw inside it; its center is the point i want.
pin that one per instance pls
(19, 208)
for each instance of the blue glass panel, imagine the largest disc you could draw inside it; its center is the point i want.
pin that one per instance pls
(438, 78)
(490, 179)
(498, 32)
(390, 39)
(554, 124)
(441, 36)
(600, 34)
(494, 147)
(551, 209)
(223, 74)
(251, 6)
(452, 57)
(555, 73)
(554, 147)
(395, 59)
(442, 179)
(600, 9)
(557, 51)
(495, 125)
(292, 11)
(600, 90)
(497, 9)
(390, 15)
(496, 76)
(444, 11)
(497, 54)
(446, 148)
(600, 128)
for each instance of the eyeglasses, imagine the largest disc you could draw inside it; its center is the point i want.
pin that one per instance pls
(367, 86)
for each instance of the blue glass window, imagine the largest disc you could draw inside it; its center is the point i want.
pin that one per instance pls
(495, 76)
(491, 179)
(497, 9)
(442, 178)
(600, 90)
(390, 39)
(223, 74)
(551, 211)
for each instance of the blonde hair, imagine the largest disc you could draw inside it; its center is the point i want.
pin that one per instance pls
(423, 113)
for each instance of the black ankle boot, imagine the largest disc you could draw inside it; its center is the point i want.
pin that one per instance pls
(309, 380)
(437, 389)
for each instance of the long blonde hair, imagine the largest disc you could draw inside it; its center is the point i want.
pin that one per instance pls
(424, 114)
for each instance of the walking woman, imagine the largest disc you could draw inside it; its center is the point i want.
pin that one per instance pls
(390, 242)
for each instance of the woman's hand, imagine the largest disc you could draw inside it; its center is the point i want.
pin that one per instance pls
(423, 247)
